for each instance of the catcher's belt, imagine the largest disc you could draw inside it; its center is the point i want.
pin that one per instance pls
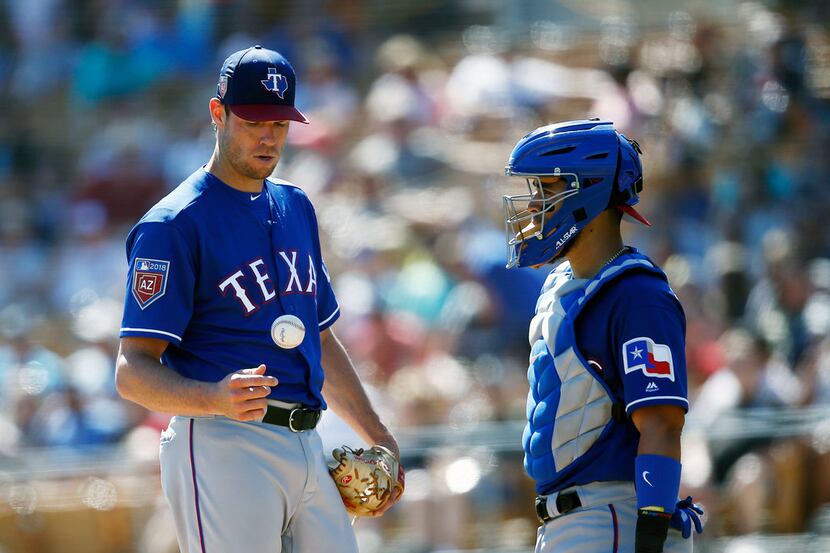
(564, 503)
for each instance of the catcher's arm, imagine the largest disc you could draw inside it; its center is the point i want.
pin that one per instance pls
(345, 395)
(657, 477)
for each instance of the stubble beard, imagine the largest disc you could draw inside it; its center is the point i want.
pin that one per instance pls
(241, 166)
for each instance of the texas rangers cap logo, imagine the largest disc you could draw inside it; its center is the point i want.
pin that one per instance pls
(275, 83)
(644, 354)
(149, 280)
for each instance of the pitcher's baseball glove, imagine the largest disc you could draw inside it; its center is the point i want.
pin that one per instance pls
(366, 479)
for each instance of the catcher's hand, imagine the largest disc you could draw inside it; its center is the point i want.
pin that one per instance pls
(686, 514)
(369, 481)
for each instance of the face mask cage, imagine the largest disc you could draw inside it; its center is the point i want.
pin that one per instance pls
(527, 216)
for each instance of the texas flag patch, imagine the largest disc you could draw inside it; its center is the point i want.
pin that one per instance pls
(149, 280)
(643, 354)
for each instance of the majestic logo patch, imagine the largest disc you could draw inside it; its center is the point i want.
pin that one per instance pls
(652, 387)
(149, 280)
(275, 83)
(643, 354)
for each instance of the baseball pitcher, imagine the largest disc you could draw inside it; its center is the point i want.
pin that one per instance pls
(228, 325)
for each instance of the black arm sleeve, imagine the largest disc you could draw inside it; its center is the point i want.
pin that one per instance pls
(652, 529)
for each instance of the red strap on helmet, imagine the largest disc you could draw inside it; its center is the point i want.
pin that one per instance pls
(629, 210)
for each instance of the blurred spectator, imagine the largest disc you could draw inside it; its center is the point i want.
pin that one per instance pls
(752, 377)
(29, 372)
(90, 266)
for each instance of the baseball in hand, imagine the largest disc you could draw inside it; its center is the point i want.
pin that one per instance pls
(287, 331)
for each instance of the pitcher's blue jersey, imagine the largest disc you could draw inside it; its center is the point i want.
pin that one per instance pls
(211, 267)
(630, 333)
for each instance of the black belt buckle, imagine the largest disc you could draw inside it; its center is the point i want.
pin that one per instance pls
(302, 422)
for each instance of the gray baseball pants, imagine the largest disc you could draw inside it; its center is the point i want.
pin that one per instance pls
(604, 524)
(250, 487)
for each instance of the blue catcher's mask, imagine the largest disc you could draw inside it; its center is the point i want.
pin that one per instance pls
(574, 171)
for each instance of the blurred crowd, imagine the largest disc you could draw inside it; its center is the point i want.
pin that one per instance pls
(413, 114)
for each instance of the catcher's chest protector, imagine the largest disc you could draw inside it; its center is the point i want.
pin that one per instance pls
(569, 405)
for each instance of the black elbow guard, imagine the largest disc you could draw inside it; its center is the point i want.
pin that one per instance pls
(652, 529)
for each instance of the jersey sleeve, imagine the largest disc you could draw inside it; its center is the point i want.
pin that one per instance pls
(651, 353)
(160, 283)
(328, 310)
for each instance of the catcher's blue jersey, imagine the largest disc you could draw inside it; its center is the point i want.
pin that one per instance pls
(600, 348)
(211, 267)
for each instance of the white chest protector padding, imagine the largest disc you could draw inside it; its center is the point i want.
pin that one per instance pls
(584, 408)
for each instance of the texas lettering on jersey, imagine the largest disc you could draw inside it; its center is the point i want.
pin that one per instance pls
(302, 279)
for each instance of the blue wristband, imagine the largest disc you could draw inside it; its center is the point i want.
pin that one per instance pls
(657, 482)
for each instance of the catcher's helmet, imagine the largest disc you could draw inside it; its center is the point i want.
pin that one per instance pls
(597, 168)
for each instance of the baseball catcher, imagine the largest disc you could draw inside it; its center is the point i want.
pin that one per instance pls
(607, 395)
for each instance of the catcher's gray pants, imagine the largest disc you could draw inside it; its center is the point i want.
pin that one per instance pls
(604, 524)
(250, 487)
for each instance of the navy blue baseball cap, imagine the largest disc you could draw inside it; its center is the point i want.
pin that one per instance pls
(258, 84)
